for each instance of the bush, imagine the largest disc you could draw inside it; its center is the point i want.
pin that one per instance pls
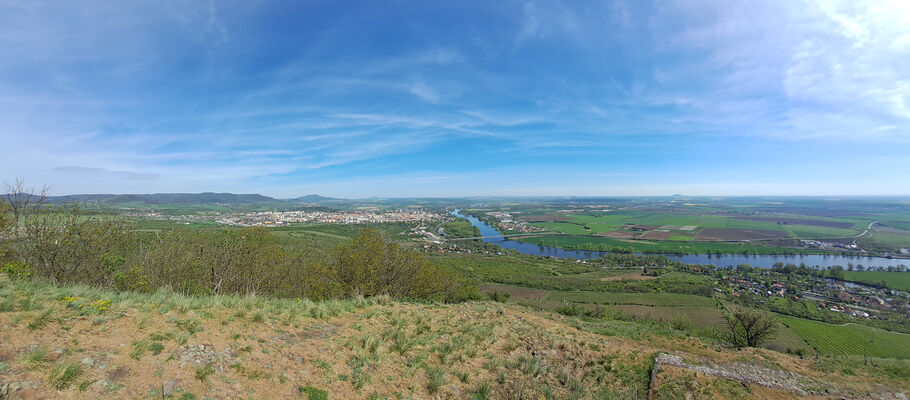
(501, 296)
(68, 247)
(18, 270)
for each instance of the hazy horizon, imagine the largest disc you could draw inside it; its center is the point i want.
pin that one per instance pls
(519, 98)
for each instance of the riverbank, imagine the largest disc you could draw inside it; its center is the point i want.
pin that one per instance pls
(728, 259)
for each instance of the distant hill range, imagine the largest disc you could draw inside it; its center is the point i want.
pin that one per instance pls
(182, 198)
(315, 198)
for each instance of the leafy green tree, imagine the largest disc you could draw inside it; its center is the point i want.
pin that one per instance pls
(369, 265)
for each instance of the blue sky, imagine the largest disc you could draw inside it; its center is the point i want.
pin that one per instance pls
(394, 98)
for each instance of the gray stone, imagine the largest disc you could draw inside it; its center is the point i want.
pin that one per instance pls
(99, 384)
(88, 362)
(56, 354)
(168, 388)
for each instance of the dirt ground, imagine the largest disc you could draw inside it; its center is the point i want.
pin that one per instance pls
(656, 235)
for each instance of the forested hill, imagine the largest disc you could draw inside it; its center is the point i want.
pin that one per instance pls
(165, 198)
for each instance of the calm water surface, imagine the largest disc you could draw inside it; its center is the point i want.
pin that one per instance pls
(766, 261)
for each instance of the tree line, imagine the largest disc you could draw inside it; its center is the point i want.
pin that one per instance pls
(67, 245)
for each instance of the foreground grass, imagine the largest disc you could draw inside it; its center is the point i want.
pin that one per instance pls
(92, 343)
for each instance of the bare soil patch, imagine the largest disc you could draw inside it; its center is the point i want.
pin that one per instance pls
(656, 235)
(641, 227)
(517, 293)
(709, 234)
(618, 234)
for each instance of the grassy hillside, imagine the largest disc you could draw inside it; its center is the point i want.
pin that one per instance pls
(80, 342)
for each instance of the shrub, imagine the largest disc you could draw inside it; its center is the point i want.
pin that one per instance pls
(18, 270)
(501, 296)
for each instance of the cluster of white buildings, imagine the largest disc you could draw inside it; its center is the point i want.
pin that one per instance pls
(277, 218)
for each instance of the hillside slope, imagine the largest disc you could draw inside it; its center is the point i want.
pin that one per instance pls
(78, 342)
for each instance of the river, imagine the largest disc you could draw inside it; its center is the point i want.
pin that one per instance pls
(491, 235)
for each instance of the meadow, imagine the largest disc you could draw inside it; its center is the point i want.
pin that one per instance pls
(645, 299)
(893, 280)
(613, 220)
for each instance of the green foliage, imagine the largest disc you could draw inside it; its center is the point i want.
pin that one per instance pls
(460, 229)
(18, 270)
(67, 246)
(6, 217)
(313, 393)
(370, 266)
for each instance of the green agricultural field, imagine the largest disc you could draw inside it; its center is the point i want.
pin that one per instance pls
(143, 224)
(849, 339)
(889, 241)
(564, 227)
(594, 243)
(645, 299)
(610, 221)
(787, 341)
(894, 280)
